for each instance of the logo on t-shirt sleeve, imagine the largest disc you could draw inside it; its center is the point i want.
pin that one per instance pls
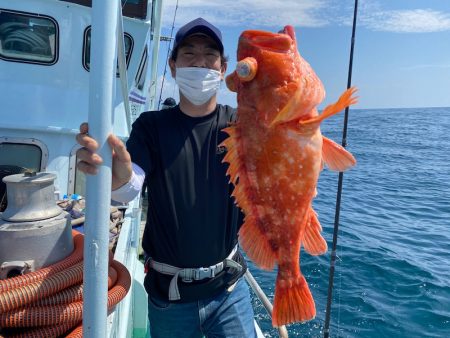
(220, 150)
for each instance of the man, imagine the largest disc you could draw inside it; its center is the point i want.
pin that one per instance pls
(168, 103)
(194, 280)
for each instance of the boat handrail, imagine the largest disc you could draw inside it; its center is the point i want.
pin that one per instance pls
(282, 331)
(121, 59)
(98, 187)
(155, 36)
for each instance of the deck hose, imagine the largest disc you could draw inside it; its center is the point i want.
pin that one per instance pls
(48, 302)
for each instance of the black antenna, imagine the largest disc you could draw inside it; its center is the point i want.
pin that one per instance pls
(167, 57)
(326, 330)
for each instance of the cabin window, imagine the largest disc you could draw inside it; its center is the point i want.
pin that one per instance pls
(26, 37)
(16, 158)
(28, 156)
(87, 49)
(80, 182)
(142, 70)
(77, 179)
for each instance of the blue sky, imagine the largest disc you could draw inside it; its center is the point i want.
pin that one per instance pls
(402, 48)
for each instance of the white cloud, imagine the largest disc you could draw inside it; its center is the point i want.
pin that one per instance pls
(305, 13)
(407, 21)
(249, 12)
(427, 66)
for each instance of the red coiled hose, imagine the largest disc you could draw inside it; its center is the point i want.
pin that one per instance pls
(74, 293)
(49, 301)
(75, 257)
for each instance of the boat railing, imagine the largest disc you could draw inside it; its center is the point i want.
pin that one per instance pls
(282, 331)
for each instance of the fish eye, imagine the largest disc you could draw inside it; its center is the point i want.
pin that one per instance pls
(246, 69)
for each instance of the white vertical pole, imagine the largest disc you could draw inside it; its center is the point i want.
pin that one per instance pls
(98, 190)
(153, 104)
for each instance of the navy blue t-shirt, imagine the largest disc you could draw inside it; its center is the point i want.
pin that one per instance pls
(192, 220)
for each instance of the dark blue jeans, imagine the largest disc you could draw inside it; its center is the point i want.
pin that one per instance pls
(229, 314)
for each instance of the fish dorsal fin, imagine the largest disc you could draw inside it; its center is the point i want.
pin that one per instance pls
(335, 157)
(251, 237)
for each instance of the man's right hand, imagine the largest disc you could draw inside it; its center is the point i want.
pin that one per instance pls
(89, 159)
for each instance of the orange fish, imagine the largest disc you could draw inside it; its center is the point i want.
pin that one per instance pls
(276, 152)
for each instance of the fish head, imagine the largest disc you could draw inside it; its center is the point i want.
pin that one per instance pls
(272, 79)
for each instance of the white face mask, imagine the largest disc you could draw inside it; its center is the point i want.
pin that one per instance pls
(198, 85)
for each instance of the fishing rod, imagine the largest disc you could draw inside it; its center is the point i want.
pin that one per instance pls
(326, 330)
(167, 58)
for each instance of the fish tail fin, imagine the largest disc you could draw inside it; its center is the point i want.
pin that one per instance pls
(313, 242)
(345, 100)
(335, 156)
(256, 245)
(292, 303)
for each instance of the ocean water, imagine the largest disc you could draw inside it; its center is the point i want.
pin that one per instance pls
(392, 275)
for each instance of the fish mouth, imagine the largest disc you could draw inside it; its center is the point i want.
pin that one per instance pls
(275, 42)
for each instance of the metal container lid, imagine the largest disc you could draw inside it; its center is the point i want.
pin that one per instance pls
(30, 197)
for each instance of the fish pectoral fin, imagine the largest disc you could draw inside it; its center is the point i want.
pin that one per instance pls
(335, 156)
(345, 100)
(313, 242)
(293, 302)
(289, 111)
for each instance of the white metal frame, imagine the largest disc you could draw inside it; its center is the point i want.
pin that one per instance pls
(32, 141)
